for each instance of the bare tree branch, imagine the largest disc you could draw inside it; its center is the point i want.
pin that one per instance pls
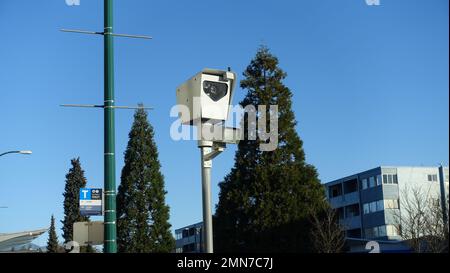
(328, 234)
(420, 221)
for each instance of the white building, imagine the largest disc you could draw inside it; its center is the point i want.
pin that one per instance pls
(367, 202)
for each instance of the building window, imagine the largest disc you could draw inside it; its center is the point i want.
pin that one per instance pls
(366, 208)
(350, 186)
(390, 179)
(432, 178)
(372, 182)
(382, 231)
(379, 180)
(392, 230)
(380, 205)
(352, 211)
(391, 204)
(189, 248)
(335, 190)
(185, 233)
(372, 232)
(192, 231)
(364, 184)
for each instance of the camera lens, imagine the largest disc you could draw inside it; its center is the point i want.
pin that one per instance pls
(215, 90)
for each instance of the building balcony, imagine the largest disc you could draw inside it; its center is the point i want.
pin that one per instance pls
(345, 199)
(352, 222)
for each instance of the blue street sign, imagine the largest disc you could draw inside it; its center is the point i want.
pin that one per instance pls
(91, 202)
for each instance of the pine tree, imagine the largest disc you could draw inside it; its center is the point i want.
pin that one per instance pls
(265, 200)
(142, 224)
(75, 180)
(52, 243)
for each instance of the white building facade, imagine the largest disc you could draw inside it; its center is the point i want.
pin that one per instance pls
(368, 203)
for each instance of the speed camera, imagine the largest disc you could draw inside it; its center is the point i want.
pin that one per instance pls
(206, 96)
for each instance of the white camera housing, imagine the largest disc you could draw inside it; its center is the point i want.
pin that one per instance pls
(207, 95)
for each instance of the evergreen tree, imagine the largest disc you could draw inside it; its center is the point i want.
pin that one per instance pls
(52, 243)
(75, 180)
(142, 215)
(265, 200)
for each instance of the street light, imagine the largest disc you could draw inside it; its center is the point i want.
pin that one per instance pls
(17, 152)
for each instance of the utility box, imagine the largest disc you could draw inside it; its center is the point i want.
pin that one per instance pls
(207, 96)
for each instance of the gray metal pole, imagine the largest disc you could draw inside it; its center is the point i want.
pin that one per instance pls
(443, 197)
(206, 196)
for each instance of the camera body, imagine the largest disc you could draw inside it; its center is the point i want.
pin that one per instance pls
(207, 96)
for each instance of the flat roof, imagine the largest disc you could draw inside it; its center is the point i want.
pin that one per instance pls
(349, 177)
(199, 224)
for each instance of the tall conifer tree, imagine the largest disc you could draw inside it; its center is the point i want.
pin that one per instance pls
(75, 180)
(52, 242)
(142, 222)
(265, 200)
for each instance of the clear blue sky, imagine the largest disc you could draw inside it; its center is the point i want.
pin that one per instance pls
(370, 88)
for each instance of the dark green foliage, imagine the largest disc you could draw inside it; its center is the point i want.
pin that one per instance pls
(75, 180)
(52, 243)
(142, 214)
(265, 201)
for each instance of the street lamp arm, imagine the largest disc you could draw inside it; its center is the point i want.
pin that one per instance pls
(17, 152)
(10, 152)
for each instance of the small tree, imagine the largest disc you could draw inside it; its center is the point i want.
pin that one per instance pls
(327, 233)
(52, 243)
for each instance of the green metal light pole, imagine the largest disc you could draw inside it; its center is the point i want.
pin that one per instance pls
(110, 245)
(109, 133)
